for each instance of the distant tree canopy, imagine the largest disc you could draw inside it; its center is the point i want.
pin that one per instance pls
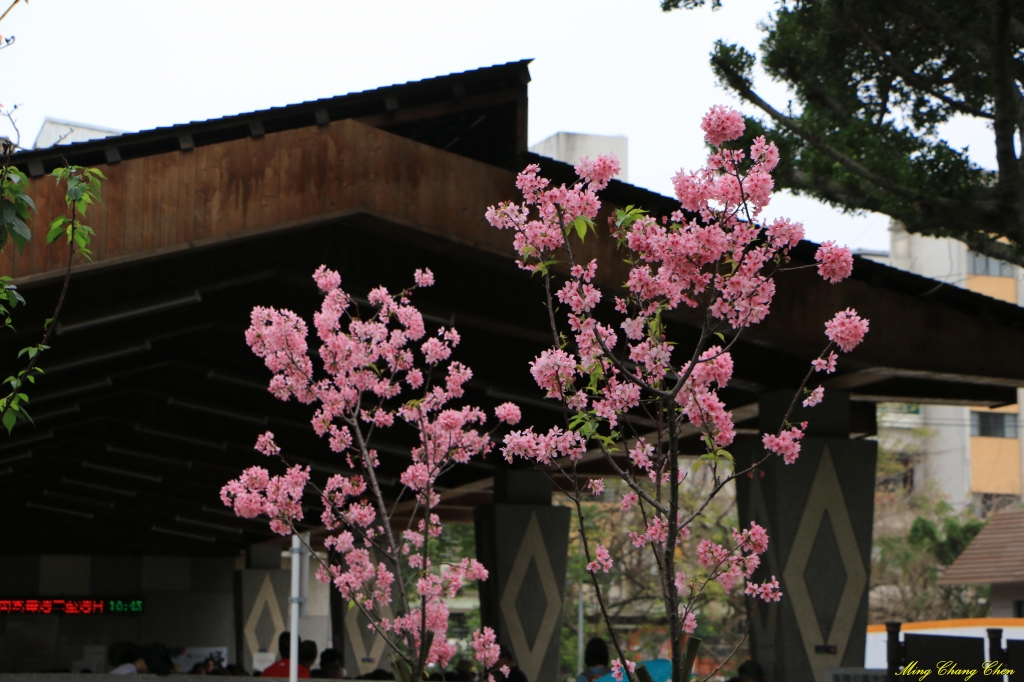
(871, 82)
(956, 535)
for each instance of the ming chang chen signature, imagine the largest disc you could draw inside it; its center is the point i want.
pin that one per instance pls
(951, 669)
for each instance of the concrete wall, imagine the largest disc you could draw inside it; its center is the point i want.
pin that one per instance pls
(189, 602)
(570, 147)
(947, 462)
(1004, 597)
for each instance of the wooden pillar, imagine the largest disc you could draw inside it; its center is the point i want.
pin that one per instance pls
(523, 542)
(818, 513)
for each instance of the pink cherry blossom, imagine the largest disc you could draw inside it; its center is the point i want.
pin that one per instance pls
(722, 124)
(327, 280)
(595, 486)
(680, 581)
(598, 172)
(485, 646)
(786, 444)
(265, 444)
(617, 668)
(827, 365)
(602, 560)
(424, 278)
(846, 329)
(553, 370)
(835, 263)
(815, 397)
(508, 413)
(768, 590)
(689, 622)
(755, 539)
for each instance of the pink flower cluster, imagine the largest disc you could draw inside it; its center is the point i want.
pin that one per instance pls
(786, 444)
(814, 397)
(556, 207)
(434, 589)
(699, 396)
(544, 448)
(727, 566)
(835, 263)
(602, 560)
(378, 370)
(722, 124)
(617, 669)
(486, 648)
(846, 329)
(256, 492)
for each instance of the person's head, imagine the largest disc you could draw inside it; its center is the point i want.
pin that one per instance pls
(330, 664)
(198, 669)
(307, 653)
(157, 660)
(750, 671)
(596, 653)
(122, 652)
(284, 644)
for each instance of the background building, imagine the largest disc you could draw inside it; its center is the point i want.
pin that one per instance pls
(971, 454)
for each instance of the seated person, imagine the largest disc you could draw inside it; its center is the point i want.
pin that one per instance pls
(281, 667)
(330, 665)
(750, 671)
(595, 658)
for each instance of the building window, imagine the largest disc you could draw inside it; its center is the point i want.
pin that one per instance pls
(994, 424)
(980, 264)
(1018, 609)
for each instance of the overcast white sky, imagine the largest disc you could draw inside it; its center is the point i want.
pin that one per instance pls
(610, 67)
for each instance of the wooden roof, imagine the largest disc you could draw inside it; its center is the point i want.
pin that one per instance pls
(996, 555)
(151, 399)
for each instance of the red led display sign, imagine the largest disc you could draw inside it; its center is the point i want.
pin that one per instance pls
(78, 607)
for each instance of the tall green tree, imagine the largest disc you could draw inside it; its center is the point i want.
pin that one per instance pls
(871, 82)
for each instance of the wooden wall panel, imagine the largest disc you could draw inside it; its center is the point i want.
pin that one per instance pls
(134, 206)
(186, 189)
(248, 185)
(38, 255)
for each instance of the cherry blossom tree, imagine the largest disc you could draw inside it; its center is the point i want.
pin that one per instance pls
(378, 372)
(715, 256)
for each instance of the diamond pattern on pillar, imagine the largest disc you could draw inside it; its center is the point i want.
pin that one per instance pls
(368, 659)
(825, 576)
(766, 614)
(825, 504)
(533, 551)
(266, 601)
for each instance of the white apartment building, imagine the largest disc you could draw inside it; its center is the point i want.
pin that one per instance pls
(971, 454)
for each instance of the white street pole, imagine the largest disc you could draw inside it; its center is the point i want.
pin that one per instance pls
(294, 603)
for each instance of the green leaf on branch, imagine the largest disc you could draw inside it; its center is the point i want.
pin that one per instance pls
(624, 218)
(57, 228)
(21, 229)
(581, 224)
(10, 417)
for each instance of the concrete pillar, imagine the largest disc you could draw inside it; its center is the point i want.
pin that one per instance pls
(262, 605)
(818, 513)
(364, 650)
(523, 541)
